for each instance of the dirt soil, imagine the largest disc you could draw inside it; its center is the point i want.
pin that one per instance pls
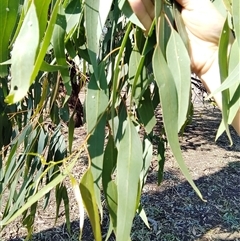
(173, 209)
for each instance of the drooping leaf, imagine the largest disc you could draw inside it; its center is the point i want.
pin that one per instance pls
(89, 200)
(96, 13)
(129, 165)
(234, 90)
(147, 158)
(70, 132)
(223, 67)
(179, 63)
(58, 44)
(33, 199)
(66, 208)
(8, 16)
(146, 112)
(169, 104)
(232, 79)
(23, 56)
(78, 197)
(95, 148)
(180, 25)
(96, 102)
(143, 216)
(72, 12)
(42, 7)
(236, 20)
(126, 9)
(109, 186)
(161, 161)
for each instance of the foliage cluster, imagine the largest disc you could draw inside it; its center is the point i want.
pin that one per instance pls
(117, 63)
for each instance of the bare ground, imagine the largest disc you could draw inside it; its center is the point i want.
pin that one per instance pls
(175, 212)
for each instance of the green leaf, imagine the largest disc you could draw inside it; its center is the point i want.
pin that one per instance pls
(35, 197)
(179, 64)
(78, 197)
(236, 20)
(96, 13)
(127, 11)
(71, 125)
(58, 198)
(146, 112)
(66, 207)
(96, 102)
(23, 56)
(161, 161)
(42, 7)
(8, 16)
(143, 215)
(72, 12)
(180, 25)
(116, 74)
(228, 5)
(58, 43)
(235, 98)
(232, 79)
(234, 90)
(109, 186)
(95, 149)
(223, 67)
(169, 104)
(89, 200)
(52, 68)
(147, 158)
(129, 165)
(158, 9)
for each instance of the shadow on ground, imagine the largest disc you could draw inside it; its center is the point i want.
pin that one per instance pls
(176, 213)
(202, 132)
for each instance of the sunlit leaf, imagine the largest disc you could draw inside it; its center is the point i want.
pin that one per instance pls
(234, 90)
(72, 12)
(42, 7)
(89, 200)
(78, 197)
(236, 19)
(223, 67)
(23, 56)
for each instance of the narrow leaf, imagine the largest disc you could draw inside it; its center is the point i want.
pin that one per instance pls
(8, 16)
(78, 197)
(223, 67)
(109, 187)
(236, 19)
(23, 56)
(169, 103)
(58, 43)
(129, 165)
(179, 63)
(89, 200)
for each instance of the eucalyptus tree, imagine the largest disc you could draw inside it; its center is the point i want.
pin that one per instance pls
(48, 44)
